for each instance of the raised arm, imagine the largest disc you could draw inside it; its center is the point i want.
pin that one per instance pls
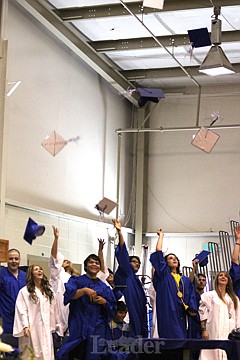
(54, 248)
(100, 253)
(160, 240)
(236, 249)
(117, 225)
(193, 272)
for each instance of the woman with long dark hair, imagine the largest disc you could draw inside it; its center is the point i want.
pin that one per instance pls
(35, 316)
(175, 296)
(219, 314)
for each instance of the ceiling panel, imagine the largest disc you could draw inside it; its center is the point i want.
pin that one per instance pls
(75, 3)
(134, 41)
(161, 24)
(159, 58)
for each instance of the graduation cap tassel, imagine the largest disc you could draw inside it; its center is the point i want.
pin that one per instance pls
(215, 117)
(76, 139)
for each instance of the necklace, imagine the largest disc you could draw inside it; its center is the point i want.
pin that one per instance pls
(180, 294)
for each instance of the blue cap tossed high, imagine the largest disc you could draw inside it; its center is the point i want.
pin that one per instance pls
(149, 94)
(202, 257)
(199, 37)
(32, 231)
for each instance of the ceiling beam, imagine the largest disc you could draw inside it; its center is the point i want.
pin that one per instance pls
(116, 9)
(135, 75)
(67, 36)
(149, 42)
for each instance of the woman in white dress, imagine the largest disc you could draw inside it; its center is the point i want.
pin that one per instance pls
(60, 272)
(35, 316)
(219, 314)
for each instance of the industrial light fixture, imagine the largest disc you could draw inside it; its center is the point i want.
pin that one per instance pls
(216, 62)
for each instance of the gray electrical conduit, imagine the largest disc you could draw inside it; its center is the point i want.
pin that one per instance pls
(180, 65)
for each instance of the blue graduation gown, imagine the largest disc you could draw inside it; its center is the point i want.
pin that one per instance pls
(87, 319)
(9, 288)
(235, 276)
(120, 338)
(194, 325)
(171, 316)
(133, 292)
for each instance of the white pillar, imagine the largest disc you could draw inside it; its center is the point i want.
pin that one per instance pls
(3, 129)
(140, 154)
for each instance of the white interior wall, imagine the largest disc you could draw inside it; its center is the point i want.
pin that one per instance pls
(59, 92)
(78, 236)
(189, 190)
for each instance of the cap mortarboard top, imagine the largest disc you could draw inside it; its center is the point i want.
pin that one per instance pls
(106, 206)
(205, 139)
(32, 231)
(199, 37)
(149, 94)
(54, 143)
(155, 4)
(202, 257)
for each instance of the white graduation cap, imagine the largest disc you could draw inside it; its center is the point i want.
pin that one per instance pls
(106, 206)
(155, 4)
(205, 139)
(54, 143)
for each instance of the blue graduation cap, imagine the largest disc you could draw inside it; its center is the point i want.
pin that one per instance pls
(202, 257)
(32, 231)
(149, 94)
(199, 37)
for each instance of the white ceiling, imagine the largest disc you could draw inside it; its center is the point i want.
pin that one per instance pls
(138, 46)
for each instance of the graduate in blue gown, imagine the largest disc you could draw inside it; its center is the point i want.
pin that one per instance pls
(235, 267)
(131, 286)
(11, 281)
(175, 298)
(92, 305)
(120, 336)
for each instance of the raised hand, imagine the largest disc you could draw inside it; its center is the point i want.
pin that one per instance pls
(160, 240)
(101, 244)
(195, 263)
(237, 232)
(160, 232)
(55, 232)
(117, 224)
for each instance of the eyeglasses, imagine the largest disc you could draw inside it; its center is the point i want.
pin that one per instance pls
(135, 262)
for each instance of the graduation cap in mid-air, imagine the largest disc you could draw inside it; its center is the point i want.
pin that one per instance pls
(199, 37)
(205, 139)
(106, 206)
(202, 257)
(32, 231)
(155, 4)
(149, 94)
(54, 143)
